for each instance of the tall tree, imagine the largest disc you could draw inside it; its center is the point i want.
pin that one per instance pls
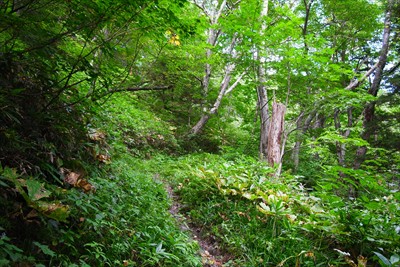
(215, 31)
(375, 86)
(261, 86)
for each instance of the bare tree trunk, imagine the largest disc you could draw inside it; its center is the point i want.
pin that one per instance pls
(275, 133)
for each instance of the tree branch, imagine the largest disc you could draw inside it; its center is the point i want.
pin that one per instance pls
(356, 82)
(236, 82)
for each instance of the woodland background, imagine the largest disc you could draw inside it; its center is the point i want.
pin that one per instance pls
(276, 123)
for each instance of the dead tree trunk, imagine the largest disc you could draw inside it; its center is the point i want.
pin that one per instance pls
(275, 133)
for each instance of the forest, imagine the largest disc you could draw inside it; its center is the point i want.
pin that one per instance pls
(235, 133)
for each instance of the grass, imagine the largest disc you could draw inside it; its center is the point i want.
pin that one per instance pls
(127, 221)
(124, 222)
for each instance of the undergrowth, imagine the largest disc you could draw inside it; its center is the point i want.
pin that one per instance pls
(125, 221)
(266, 221)
(109, 211)
(106, 205)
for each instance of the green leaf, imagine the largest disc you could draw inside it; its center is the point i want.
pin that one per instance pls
(45, 249)
(159, 248)
(4, 262)
(36, 190)
(394, 258)
(383, 259)
(265, 207)
(54, 210)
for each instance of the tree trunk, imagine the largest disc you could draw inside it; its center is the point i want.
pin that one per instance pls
(369, 110)
(340, 146)
(214, 12)
(302, 127)
(200, 124)
(299, 126)
(211, 40)
(223, 88)
(264, 120)
(275, 133)
(262, 93)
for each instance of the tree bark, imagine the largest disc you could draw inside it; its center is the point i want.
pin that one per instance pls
(275, 133)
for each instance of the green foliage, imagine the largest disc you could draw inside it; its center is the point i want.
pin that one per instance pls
(124, 118)
(131, 225)
(8, 252)
(35, 195)
(367, 222)
(387, 262)
(251, 213)
(253, 216)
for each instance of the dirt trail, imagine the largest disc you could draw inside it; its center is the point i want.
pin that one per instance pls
(210, 253)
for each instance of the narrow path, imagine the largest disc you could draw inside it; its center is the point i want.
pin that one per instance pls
(210, 252)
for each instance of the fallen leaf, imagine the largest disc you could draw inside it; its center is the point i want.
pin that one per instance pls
(72, 178)
(103, 158)
(85, 185)
(97, 135)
